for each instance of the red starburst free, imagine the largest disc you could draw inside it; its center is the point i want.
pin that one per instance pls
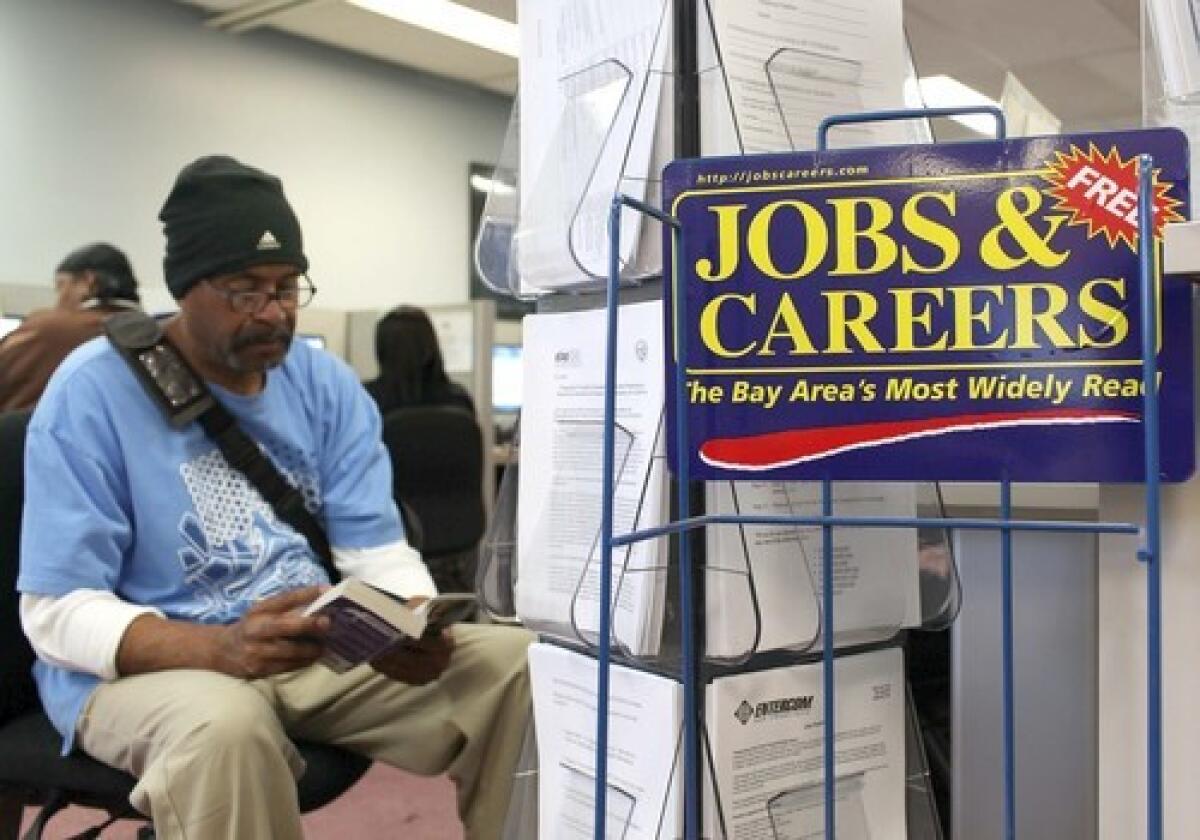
(1100, 191)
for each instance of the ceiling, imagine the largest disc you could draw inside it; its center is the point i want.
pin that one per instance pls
(1080, 58)
(348, 27)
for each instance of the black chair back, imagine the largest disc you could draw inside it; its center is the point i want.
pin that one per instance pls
(18, 693)
(437, 470)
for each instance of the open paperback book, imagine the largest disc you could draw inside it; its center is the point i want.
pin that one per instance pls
(366, 621)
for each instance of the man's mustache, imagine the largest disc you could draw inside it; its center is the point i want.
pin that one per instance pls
(252, 337)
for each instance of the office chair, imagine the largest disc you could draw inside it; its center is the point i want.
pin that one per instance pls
(437, 472)
(31, 770)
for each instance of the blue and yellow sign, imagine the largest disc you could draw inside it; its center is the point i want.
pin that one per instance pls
(962, 311)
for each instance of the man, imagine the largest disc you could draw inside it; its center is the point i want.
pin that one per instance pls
(164, 597)
(92, 283)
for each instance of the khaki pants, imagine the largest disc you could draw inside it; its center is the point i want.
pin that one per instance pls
(213, 757)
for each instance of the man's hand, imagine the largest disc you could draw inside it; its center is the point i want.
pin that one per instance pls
(416, 661)
(272, 637)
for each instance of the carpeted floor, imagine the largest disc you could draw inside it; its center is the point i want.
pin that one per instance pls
(385, 803)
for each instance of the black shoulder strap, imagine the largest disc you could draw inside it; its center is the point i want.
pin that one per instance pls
(182, 395)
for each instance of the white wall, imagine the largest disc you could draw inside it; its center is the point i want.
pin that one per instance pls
(103, 102)
(1122, 691)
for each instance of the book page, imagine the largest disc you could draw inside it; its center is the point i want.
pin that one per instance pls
(364, 622)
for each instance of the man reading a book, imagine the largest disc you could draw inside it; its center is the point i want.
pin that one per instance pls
(165, 597)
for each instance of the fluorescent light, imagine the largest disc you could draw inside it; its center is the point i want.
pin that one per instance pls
(948, 92)
(491, 185)
(451, 20)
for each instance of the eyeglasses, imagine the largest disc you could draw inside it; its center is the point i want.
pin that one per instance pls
(253, 301)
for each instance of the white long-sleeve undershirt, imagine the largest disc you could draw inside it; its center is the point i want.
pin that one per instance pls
(82, 630)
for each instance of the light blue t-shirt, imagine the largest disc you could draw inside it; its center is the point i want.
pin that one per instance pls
(116, 499)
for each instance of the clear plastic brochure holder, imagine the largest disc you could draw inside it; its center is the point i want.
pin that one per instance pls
(885, 580)
(789, 74)
(495, 574)
(762, 752)
(798, 812)
(596, 131)
(575, 511)
(791, 92)
(539, 236)
(1171, 71)
(762, 581)
(536, 239)
(790, 116)
(882, 760)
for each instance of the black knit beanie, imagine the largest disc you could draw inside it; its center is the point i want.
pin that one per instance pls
(223, 216)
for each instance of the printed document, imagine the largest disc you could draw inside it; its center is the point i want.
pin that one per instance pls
(790, 65)
(561, 489)
(764, 581)
(767, 733)
(644, 729)
(590, 83)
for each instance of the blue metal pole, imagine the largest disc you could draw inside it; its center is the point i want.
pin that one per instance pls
(1006, 596)
(688, 652)
(827, 655)
(1151, 552)
(908, 114)
(691, 813)
(606, 517)
(948, 524)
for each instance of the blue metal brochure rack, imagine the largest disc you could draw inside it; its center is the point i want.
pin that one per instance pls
(1149, 471)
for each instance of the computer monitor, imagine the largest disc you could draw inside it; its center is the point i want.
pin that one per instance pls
(506, 378)
(8, 323)
(312, 339)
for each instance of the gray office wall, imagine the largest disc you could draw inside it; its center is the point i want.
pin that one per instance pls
(103, 101)
(1056, 704)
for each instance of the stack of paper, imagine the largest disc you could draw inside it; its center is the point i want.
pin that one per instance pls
(765, 763)
(589, 86)
(643, 800)
(561, 489)
(764, 581)
(767, 739)
(790, 65)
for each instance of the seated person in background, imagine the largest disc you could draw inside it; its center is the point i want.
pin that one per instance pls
(92, 283)
(163, 595)
(412, 374)
(411, 371)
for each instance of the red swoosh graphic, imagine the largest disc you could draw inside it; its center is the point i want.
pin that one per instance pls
(795, 446)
